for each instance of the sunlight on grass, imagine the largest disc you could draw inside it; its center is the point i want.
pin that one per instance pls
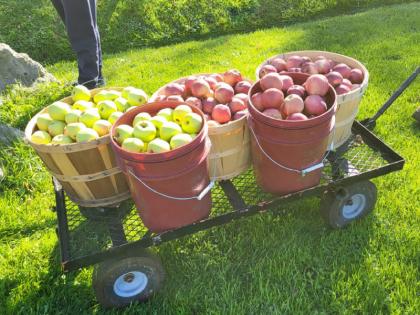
(265, 264)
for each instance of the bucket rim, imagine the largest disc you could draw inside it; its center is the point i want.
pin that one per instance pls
(291, 124)
(157, 157)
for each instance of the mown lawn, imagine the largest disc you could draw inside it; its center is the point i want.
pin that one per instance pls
(261, 265)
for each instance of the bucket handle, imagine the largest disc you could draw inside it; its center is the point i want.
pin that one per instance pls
(200, 196)
(301, 172)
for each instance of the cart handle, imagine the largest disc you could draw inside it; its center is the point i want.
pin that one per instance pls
(302, 172)
(371, 121)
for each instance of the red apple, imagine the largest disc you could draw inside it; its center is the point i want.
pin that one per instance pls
(200, 88)
(240, 114)
(188, 83)
(175, 98)
(194, 101)
(315, 105)
(173, 89)
(212, 123)
(306, 59)
(317, 84)
(271, 80)
(323, 66)
(256, 100)
(160, 98)
(221, 113)
(223, 93)
(296, 89)
(310, 68)
(347, 82)
(334, 78)
(292, 104)
(297, 116)
(294, 62)
(344, 70)
(356, 76)
(355, 86)
(232, 77)
(342, 89)
(272, 98)
(273, 113)
(236, 105)
(243, 87)
(266, 69)
(208, 104)
(279, 63)
(243, 97)
(287, 82)
(218, 77)
(211, 81)
(319, 57)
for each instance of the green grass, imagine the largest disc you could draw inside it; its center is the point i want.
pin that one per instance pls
(35, 28)
(264, 264)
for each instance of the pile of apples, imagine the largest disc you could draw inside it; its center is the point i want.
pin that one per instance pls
(222, 97)
(341, 76)
(167, 130)
(281, 98)
(88, 118)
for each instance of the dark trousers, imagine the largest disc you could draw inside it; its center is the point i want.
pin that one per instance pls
(79, 17)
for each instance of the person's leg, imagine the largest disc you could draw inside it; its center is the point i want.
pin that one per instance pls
(58, 5)
(81, 29)
(98, 38)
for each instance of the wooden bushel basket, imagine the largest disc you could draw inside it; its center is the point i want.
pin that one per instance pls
(230, 153)
(347, 104)
(87, 171)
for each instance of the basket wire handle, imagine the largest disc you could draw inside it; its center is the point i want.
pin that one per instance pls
(200, 196)
(301, 172)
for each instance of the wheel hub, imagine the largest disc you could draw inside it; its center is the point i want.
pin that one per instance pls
(130, 284)
(354, 206)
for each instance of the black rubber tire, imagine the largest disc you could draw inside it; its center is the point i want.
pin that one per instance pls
(106, 274)
(101, 213)
(333, 203)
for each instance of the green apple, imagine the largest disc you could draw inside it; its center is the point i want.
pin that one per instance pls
(180, 139)
(61, 139)
(179, 112)
(130, 108)
(43, 120)
(87, 134)
(192, 123)
(133, 145)
(58, 110)
(122, 104)
(158, 146)
(114, 116)
(169, 129)
(127, 90)
(72, 129)
(102, 127)
(140, 117)
(145, 131)
(136, 97)
(73, 116)
(41, 137)
(106, 108)
(123, 132)
(80, 92)
(158, 121)
(100, 96)
(56, 127)
(82, 105)
(166, 112)
(193, 135)
(112, 94)
(89, 117)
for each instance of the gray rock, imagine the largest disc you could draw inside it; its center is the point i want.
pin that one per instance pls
(9, 134)
(16, 67)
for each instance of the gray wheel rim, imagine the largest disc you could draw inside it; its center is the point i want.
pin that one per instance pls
(130, 284)
(354, 206)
